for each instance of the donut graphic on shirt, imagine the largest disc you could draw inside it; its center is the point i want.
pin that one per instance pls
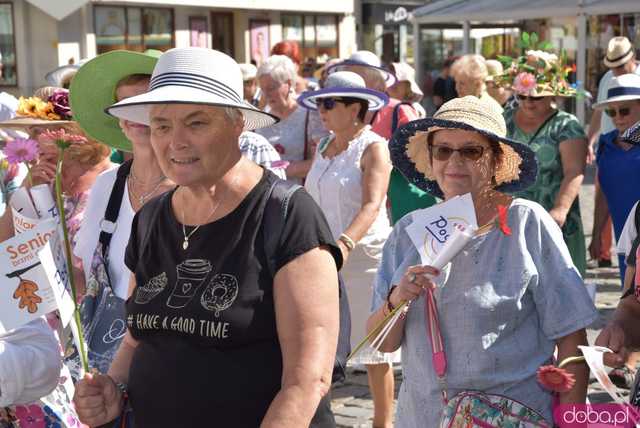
(220, 294)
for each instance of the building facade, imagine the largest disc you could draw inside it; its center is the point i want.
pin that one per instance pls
(580, 29)
(36, 39)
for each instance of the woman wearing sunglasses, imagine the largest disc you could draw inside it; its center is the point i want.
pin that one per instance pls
(348, 179)
(557, 138)
(506, 300)
(618, 162)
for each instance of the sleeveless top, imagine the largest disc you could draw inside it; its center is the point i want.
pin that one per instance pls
(336, 185)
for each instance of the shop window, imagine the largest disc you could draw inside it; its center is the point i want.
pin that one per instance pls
(317, 36)
(8, 70)
(133, 28)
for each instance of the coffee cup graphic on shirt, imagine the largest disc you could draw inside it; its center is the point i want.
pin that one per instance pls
(191, 275)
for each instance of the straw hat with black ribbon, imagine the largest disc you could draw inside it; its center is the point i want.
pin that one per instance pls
(619, 52)
(410, 152)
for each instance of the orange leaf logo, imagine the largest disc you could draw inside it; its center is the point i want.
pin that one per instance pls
(26, 292)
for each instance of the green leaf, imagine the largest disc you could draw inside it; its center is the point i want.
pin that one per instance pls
(526, 40)
(506, 61)
(545, 46)
(528, 69)
(534, 40)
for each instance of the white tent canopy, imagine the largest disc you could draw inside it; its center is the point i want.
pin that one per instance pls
(503, 10)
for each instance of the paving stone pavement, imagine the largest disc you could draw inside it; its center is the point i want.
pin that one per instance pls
(351, 401)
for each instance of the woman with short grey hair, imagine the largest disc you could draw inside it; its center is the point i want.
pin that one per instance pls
(295, 136)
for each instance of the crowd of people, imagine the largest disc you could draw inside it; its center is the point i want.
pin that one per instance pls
(246, 227)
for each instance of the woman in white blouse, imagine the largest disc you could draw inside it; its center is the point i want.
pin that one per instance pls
(348, 178)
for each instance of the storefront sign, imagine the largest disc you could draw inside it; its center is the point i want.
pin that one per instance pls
(398, 15)
(386, 14)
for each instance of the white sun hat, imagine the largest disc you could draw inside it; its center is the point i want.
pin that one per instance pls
(193, 76)
(365, 59)
(344, 84)
(622, 88)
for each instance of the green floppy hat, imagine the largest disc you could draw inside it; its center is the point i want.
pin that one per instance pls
(93, 89)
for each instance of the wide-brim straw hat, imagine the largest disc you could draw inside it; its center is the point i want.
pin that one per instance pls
(410, 154)
(365, 59)
(621, 88)
(619, 52)
(344, 84)
(193, 76)
(23, 122)
(94, 88)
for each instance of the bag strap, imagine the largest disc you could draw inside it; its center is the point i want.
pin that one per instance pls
(396, 114)
(541, 127)
(108, 223)
(274, 218)
(438, 356)
(306, 136)
(637, 218)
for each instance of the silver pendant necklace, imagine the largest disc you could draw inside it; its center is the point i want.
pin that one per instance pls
(187, 236)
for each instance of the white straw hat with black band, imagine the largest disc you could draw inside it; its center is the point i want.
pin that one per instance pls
(344, 84)
(619, 52)
(365, 59)
(621, 88)
(193, 76)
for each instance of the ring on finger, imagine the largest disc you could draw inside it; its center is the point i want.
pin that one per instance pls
(412, 277)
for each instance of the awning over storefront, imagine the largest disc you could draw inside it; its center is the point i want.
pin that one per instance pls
(506, 10)
(58, 9)
(493, 10)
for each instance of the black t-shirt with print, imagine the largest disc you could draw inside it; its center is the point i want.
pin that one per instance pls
(204, 317)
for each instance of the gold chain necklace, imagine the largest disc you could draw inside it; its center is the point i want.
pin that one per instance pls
(187, 236)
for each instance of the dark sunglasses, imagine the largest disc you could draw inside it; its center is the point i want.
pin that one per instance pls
(443, 153)
(624, 111)
(527, 97)
(330, 103)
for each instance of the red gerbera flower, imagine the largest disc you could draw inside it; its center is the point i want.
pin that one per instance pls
(555, 378)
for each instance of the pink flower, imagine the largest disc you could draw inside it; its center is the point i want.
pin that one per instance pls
(21, 150)
(30, 416)
(555, 378)
(61, 138)
(525, 83)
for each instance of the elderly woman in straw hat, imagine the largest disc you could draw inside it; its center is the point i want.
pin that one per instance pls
(508, 299)
(557, 138)
(348, 179)
(240, 301)
(618, 161)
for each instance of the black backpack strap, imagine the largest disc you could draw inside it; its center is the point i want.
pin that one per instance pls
(274, 217)
(108, 223)
(396, 113)
(637, 218)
